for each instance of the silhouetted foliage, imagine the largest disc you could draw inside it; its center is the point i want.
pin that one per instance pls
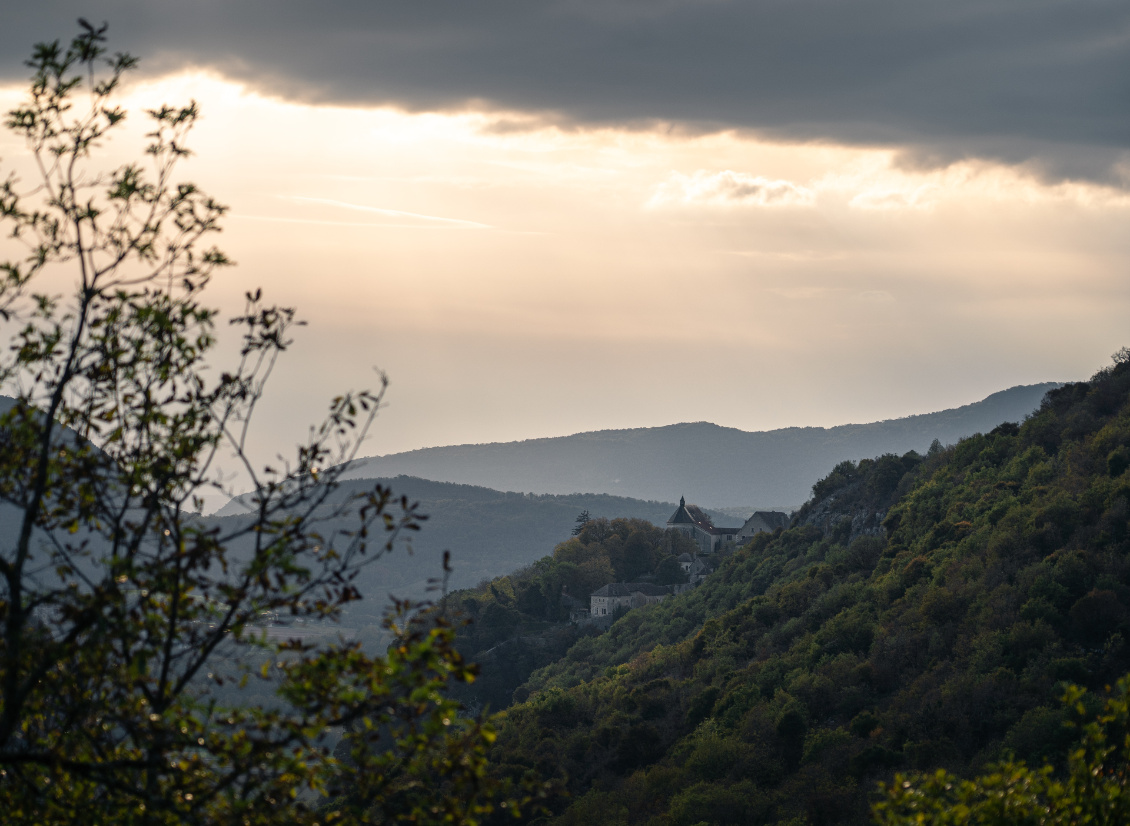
(123, 616)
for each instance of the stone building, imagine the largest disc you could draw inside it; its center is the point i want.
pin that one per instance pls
(697, 568)
(604, 602)
(696, 525)
(761, 522)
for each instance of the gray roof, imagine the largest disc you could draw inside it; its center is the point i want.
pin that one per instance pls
(613, 589)
(680, 516)
(693, 515)
(648, 589)
(768, 520)
(774, 518)
(626, 589)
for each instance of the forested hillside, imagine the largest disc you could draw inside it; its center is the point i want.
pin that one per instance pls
(922, 612)
(718, 467)
(519, 622)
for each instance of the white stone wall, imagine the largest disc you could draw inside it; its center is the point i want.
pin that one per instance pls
(606, 606)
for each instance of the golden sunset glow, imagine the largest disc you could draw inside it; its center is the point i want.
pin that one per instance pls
(519, 277)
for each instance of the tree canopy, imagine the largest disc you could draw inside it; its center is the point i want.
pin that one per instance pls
(926, 613)
(1088, 784)
(124, 619)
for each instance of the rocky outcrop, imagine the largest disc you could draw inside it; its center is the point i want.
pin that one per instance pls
(853, 500)
(848, 522)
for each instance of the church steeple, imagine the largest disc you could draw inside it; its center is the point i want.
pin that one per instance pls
(681, 516)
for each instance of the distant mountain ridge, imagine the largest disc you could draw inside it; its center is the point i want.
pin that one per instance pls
(717, 467)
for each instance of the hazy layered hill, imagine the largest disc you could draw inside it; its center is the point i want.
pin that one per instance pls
(489, 532)
(721, 467)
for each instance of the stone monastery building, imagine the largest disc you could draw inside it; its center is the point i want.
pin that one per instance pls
(625, 595)
(690, 520)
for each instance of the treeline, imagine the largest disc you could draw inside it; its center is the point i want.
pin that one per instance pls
(925, 612)
(518, 623)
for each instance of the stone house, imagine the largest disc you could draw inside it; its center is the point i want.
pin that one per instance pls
(605, 601)
(761, 522)
(697, 568)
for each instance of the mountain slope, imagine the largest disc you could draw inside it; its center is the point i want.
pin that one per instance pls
(922, 613)
(714, 466)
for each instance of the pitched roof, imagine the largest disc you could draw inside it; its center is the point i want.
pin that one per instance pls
(648, 589)
(699, 516)
(769, 520)
(775, 518)
(692, 515)
(681, 516)
(613, 589)
(626, 589)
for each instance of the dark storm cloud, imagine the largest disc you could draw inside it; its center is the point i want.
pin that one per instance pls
(1045, 82)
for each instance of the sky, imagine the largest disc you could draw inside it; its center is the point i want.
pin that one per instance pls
(540, 218)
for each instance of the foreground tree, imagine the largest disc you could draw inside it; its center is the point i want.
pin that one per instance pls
(1092, 786)
(118, 605)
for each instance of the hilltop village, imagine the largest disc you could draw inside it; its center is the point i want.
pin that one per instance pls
(711, 543)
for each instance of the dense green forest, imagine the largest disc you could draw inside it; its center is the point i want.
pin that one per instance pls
(922, 612)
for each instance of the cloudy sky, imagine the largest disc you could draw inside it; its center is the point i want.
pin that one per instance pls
(549, 216)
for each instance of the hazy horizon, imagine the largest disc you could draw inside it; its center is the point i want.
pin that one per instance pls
(727, 427)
